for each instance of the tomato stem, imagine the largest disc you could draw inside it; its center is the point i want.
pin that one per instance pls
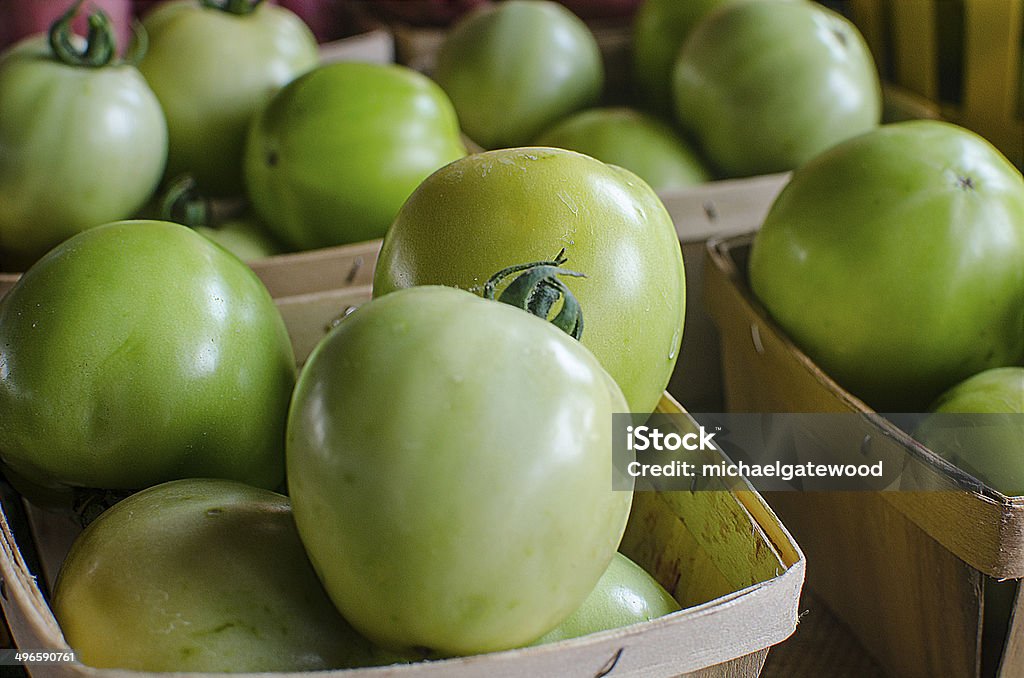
(138, 45)
(100, 45)
(236, 7)
(182, 203)
(536, 290)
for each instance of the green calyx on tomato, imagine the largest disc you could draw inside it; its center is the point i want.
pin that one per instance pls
(537, 288)
(241, 234)
(100, 46)
(236, 7)
(138, 352)
(479, 512)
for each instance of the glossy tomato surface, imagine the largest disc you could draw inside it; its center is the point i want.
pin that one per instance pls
(138, 352)
(894, 261)
(765, 86)
(334, 155)
(501, 208)
(201, 575)
(212, 70)
(79, 146)
(450, 469)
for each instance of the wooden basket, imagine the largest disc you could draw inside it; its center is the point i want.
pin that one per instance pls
(905, 570)
(723, 554)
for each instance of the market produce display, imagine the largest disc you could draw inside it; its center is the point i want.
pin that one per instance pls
(435, 481)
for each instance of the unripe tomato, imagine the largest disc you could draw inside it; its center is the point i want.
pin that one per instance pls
(765, 86)
(81, 143)
(139, 352)
(201, 575)
(212, 69)
(626, 594)
(517, 67)
(334, 155)
(894, 260)
(450, 469)
(493, 210)
(641, 143)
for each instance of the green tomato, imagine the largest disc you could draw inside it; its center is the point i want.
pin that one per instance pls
(501, 208)
(244, 237)
(626, 594)
(201, 575)
(80, 146)
(336, 153)
(515, 68)
(894, 261)
(212, 69)
(979, 426)
(454, 490)
(659, 30)
(644, 145)
(138, 352)
(766, 86)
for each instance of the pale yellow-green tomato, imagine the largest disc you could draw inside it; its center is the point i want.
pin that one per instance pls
(201, 575)
(626, 594)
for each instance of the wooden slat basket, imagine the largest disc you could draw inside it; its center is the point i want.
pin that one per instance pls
(905, 570)
(722, 553)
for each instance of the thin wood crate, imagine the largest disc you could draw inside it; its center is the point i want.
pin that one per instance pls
(905, 570)
(967, 56)
(722, 553)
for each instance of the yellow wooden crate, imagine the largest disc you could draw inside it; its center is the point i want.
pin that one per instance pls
(967, 56)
